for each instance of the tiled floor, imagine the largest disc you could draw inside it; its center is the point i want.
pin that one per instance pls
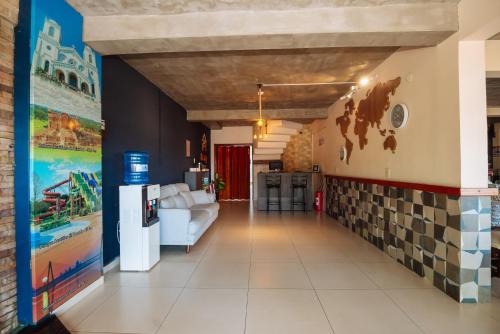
(270, 273)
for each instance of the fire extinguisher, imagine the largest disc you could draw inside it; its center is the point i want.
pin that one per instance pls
(318, 201)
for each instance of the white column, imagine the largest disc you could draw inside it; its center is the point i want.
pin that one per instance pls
(473, 115)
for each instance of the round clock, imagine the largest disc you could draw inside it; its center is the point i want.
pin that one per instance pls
(343, 153)
(399, 115)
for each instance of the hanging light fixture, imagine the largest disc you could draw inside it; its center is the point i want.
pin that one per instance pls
(261, 128)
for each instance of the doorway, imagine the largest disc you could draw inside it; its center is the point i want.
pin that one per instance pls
(232, 165)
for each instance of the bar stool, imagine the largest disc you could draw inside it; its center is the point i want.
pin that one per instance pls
(299, 182)
(273, 181)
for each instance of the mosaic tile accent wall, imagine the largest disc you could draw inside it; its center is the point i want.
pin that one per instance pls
(442, 237)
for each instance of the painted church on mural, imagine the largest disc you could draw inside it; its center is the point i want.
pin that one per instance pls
(64, 64)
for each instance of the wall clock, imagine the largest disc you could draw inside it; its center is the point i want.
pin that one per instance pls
(399, 115)
(343, 153)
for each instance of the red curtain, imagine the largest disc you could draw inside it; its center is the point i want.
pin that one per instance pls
(233, 166)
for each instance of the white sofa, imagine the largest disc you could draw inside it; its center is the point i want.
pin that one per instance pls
(185, 215)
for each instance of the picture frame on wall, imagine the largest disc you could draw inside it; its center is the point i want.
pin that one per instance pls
(188, 148)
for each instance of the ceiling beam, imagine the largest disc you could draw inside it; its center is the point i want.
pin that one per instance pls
(213, 125)
(252, 114)
(412, 24)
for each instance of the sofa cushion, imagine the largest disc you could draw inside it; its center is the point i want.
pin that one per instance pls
(211, 208)
(198, 219)
(180, 202)
(181, 187)
(202, 197)
(167, 203)
(188, 198)
(168, 190)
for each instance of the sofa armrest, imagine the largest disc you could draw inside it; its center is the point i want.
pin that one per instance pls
(202, 197)
(174, 225)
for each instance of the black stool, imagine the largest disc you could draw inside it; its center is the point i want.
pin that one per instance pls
(273, 182)
(299, 182)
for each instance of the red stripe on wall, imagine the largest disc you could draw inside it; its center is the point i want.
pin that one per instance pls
(405, 185)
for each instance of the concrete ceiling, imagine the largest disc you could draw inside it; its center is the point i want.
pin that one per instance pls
(208, 55)
(155, 7)
(227, 80)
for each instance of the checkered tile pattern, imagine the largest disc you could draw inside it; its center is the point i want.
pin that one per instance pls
(441, 237)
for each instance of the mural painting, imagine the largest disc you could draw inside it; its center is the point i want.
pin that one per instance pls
(65, 158)
(204, 149)
(369, 113)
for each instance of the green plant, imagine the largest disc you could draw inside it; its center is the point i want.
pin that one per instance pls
(219, 184)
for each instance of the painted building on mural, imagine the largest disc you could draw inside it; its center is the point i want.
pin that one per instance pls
(64, 63)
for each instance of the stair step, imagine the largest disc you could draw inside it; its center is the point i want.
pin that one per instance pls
(286, 124)
(273, 137)
(268, 150)
(271, 144)
(259, 157)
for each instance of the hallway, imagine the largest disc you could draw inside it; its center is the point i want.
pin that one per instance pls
(261, 273)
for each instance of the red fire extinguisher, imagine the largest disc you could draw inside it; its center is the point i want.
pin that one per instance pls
(318, 202)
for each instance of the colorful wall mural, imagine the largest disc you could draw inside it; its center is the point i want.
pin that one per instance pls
(65, 178)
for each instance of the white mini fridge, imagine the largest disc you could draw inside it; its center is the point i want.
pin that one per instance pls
(139, 227)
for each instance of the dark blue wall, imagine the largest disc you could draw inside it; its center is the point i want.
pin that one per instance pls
(22, 156)
(140, 117)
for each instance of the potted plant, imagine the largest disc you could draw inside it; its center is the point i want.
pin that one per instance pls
(219, 185)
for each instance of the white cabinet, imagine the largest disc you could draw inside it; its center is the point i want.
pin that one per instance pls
(139, 227)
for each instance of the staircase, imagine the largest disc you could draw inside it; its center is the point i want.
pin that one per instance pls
(278, 136)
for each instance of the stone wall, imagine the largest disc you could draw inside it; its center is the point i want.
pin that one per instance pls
(443, 237)
(8, 19)
(298, 152)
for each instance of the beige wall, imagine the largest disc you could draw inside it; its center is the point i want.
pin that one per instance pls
(493, 56)
(430, 146)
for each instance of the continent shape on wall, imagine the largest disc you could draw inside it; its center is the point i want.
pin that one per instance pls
(369, 112)
(344, 122)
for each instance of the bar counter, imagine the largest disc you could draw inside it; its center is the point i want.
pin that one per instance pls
(286, 192)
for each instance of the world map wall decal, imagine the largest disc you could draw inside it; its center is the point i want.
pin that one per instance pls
(369, 112)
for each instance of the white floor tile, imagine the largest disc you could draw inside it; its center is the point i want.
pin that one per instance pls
(131, 310)
(286, 275)
(163, 275)
(394, 276)
(436, 312)
(364, 312)
(209, 311)
(285, 311)
(338, 276)
(280, 257)
(220, 275)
